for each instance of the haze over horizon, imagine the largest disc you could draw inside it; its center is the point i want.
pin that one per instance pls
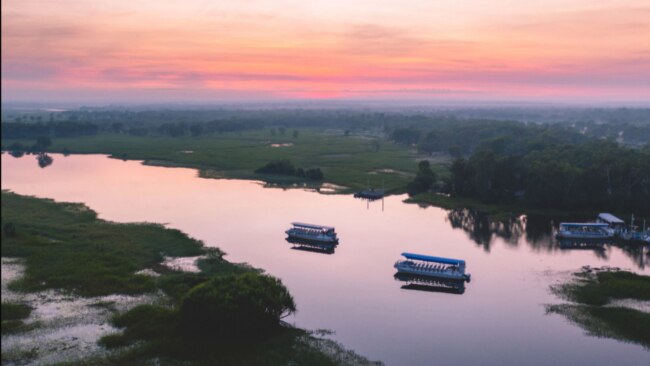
(268, 51)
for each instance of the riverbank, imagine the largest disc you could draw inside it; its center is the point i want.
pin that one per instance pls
(607, 302)
(77, 274)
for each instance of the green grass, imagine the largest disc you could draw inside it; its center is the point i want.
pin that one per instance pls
(349, 161)
(13, 315)
(65, 246)
(592, 291)
(602, 287)
(15, 311)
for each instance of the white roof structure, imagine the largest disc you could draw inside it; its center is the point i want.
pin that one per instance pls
(609, 218)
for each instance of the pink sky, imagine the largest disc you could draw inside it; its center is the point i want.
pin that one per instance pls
(191, 50)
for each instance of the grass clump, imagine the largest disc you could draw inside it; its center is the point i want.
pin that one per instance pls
(600, 288)
(13, 315)
(590, 293)
(15, 311)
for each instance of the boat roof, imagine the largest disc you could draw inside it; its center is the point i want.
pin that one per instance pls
(584, 224)
(428, 258)
(608, 217)
(312, 226)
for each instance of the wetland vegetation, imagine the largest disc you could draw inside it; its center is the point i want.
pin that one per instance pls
(65, 247)
(596, 306)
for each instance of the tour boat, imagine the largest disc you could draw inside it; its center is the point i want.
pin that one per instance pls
(428, 266)
(584, 230)
(312, 233)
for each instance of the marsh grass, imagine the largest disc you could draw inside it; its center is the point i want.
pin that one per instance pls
(601, 287)
(350, 161)
(592, 291)
(65, 246)
(13, 315)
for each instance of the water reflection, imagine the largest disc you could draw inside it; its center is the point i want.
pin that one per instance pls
(537, 230)
(429, 284)
(44, 160)
(482, 229)
(311, 246)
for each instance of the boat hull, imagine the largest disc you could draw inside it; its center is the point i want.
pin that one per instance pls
(444, 274)
(298, 235)
(570, 235)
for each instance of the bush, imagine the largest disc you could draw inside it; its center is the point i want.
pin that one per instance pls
(236, 306)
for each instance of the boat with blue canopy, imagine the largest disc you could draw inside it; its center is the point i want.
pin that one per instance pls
(584, 230)
(312, 233)
(430, 266)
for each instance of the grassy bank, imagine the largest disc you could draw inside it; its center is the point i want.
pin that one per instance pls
(66, 247)
(348, 161)
(592, 293)
(13, 315)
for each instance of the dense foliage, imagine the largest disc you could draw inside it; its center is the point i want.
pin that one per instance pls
(598, 175)
(237, 305)
(285, 167)
(424, 179)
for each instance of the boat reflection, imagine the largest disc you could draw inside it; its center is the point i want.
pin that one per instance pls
(536, 231)
(422, 283)
(311, 246)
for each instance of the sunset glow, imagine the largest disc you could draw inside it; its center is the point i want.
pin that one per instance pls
(192, 50)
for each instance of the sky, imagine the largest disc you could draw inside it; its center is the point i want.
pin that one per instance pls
(266, 50)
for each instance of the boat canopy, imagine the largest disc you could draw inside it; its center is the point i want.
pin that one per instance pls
(428, 258)
(609, 218)
(583, 224)
(311, 226)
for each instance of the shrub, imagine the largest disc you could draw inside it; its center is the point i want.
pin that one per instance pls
(236, 306)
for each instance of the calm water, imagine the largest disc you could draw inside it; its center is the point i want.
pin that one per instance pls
(499, 320)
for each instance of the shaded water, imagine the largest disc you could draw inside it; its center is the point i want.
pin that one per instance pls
(499, 318)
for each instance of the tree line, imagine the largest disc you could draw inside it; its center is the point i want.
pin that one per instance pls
(595, 175)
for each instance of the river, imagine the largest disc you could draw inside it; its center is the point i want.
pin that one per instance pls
(500, 319)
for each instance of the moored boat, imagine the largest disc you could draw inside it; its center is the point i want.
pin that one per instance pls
(435, 267)
(312, 233)
(584, 230)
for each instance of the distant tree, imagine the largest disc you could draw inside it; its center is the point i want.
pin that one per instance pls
(455, 151)
(424, 179)
(196, 129)
(295, 134)
(282, 130)
(314, 174)
(117, 127)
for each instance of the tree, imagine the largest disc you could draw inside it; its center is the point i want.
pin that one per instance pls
(424, 179)
(236, 306)
(295, 134)
(196, 129)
